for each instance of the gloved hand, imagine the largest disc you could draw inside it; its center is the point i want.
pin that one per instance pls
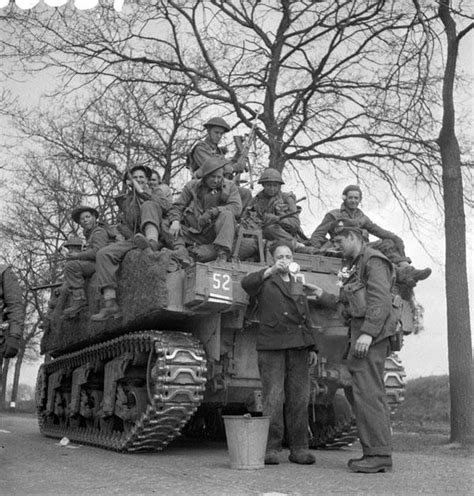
(12, 345)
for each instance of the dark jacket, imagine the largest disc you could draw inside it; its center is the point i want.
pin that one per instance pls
(318, 238)
(96, 239)
(11, 302)
(284, 317)
(368, 297)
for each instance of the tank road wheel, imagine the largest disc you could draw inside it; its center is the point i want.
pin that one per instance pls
(332, 426)
(394, 379)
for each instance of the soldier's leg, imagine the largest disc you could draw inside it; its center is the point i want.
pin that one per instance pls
(296, 404)
(151, 215)
(370, 401)
(75, 271)
(224, 228)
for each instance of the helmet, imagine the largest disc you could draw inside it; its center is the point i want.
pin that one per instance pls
(210, 165)
(76, 213)
(270, 175)
(217, 122)
(147, 171)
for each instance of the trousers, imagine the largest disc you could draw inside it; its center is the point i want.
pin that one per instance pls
(369, 399)
(108, 262)
(75, 271)
(285, 383)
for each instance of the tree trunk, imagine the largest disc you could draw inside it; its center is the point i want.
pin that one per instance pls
(3, 386)
(459, 330)
(16, 378)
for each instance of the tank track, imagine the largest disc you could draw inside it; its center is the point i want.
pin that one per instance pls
(394, 379)
(175, 382)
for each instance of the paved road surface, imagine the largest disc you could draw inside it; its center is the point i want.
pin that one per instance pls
(31, 464)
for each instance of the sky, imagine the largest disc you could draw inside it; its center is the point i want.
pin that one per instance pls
(423, 354)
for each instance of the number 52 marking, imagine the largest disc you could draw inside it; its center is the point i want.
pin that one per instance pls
(221, 281)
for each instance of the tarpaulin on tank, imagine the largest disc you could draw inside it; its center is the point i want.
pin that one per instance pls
(141, 290)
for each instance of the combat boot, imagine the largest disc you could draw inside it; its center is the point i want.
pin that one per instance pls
(110, 309)
(271, 457)
(302, 456)
(79, 302)
(409, 276)
(371, 464)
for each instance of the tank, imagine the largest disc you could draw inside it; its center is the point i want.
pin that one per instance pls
(182, 354)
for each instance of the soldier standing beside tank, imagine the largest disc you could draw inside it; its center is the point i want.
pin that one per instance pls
(81, 264)
(367, 283)
(390, 244)
(142, 213)
(207, 209)
(286, 348)
(12, 314)
(276, 213)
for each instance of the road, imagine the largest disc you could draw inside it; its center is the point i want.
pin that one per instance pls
(31, 464)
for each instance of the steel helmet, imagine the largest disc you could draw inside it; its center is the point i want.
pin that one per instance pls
(210, 165)
(76, 213)
(217, 122)
(270, 175)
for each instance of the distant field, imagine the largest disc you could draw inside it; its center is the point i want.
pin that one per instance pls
(426, 405)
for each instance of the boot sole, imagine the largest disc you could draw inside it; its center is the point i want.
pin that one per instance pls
(368, 470)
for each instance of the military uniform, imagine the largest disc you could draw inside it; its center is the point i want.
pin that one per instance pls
(367, 296)
(284, 338)
(138, 209)
(11, 310)
(202, 151)
(197, 198)
(83, 264)
(391, 244)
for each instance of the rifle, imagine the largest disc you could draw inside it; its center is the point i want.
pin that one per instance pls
(46, 286)
(244, 148)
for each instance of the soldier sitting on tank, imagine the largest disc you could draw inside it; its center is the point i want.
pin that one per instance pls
(142, 213)
(389, 244)
(80, 264)
(157, 186)
(245, 193)
(276, 213)
(206, 211)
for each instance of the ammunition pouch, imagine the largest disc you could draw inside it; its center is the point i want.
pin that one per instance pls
(392, 324)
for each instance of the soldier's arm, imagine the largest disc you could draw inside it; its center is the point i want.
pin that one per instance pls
(378, 296)
(13, 300)
(318, 238)
(293, 221)
(234, 202)
(252, 282)
(377, 231)
(98, 240)
(178, 207)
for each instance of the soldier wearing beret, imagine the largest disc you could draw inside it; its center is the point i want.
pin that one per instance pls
(80, 264)
(12, 314)
(390, 244)
(366, 291)
(207, 209)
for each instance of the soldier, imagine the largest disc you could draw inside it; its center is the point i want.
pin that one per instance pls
(142, 213)
(207, 209)
(208, 147)
(366, 293)
(12, 314)
(390, 244)
(276, 213)
(156, 185)
(81, 264)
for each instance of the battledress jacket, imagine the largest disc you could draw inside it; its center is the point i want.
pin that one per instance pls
(280, 204)
(370, 282)
(96, 238)
(318, 238)
(284, 317)
(200, 152)
(11, 301)
(197, 197)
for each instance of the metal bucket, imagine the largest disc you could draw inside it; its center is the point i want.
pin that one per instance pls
(246, 441)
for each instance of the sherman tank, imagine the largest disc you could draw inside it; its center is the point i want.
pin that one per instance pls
(182, 354)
